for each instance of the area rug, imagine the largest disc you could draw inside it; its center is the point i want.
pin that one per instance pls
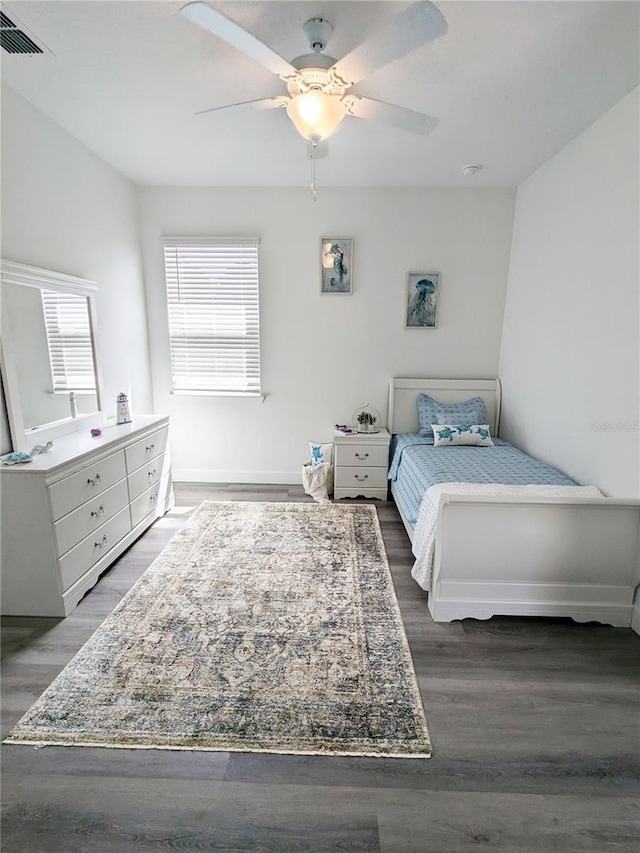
(261, 627)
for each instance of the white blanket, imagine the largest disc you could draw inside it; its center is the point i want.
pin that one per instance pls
(424, 535)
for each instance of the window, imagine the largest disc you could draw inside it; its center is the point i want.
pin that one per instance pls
(66, 320)
(214, 327)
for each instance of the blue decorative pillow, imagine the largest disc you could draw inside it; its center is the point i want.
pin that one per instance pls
(471, 411)
(320, 452)
(432, 411)
(470, 435)
(426, 414)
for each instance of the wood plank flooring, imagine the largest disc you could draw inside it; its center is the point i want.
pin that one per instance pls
(535, 725)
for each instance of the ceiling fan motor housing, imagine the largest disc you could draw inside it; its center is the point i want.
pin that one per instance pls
(318, 32)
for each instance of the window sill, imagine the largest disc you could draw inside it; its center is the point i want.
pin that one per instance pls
(252, 395)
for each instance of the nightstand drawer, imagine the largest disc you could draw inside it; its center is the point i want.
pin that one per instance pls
(367, 477)
(362, 455)
(361, 465)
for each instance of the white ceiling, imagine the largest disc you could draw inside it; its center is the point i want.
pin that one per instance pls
(511, 83)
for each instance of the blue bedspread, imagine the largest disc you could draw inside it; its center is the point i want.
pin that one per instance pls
(416, 465)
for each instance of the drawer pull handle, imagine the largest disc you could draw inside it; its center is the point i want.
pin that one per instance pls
(153, 498)
(152, 474)
(150, 448)
(96, 513)
(102, 542)
(95, 481)
(358, 477)
(363, 456)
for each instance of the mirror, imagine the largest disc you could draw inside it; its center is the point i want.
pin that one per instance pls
(43, 332)
(49, 360)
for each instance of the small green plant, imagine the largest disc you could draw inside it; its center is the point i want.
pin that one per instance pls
(366, 419)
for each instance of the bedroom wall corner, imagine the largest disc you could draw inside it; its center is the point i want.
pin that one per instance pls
(67, 210)
(570, 354)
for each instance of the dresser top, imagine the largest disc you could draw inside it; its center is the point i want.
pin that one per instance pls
(75, 447)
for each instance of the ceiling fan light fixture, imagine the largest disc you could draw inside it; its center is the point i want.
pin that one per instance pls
(315, 115)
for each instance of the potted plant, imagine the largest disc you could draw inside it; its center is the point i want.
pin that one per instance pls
(367, 420)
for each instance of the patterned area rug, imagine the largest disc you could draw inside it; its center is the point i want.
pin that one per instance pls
(262, 627)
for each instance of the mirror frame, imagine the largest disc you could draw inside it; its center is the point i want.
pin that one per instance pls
(27, 276)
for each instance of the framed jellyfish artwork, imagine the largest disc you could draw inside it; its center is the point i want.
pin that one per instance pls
(422, 299)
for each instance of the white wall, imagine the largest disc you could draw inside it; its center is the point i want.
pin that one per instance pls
(66, 210)
(570, 349)
(324, 355)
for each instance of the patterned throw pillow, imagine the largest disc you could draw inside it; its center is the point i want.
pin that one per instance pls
(452, 435)
(432, 411)
(471, 411)
(426, 413)
(320, 452)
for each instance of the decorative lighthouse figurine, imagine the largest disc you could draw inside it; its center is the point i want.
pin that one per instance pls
(123, 415)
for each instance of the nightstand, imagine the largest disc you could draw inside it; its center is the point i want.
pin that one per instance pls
(361, 464)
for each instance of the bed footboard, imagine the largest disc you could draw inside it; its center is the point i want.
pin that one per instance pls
(536, 556)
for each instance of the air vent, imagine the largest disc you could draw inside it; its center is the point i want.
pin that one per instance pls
(14, 39)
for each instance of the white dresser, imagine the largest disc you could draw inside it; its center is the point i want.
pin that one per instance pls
(361, 464)
(68, 514)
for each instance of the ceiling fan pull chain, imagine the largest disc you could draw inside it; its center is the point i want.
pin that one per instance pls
(314, 194)
(312, 151)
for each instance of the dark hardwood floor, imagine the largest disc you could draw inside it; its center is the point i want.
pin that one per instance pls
(535, 725)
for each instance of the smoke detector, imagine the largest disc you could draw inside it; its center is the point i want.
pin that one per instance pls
(471, 169)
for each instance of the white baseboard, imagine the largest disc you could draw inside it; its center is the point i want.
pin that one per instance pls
(635, 616)
(275, 478)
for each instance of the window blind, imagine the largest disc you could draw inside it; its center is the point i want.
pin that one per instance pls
(214, 324)
(66, 320)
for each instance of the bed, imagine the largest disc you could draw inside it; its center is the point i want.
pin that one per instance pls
(534, 544)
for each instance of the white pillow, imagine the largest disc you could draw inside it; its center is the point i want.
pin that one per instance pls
(320, 452)
(451, 435)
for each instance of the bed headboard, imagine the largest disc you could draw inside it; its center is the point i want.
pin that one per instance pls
(403, 413)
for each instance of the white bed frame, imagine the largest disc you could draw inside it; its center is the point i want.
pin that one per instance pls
(525, 556)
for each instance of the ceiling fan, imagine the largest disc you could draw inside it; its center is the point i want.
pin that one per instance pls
(319, 87)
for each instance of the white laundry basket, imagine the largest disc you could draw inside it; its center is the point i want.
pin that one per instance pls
(318, 480)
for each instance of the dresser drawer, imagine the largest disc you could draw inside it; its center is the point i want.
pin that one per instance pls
(141, 452)
(359, 455)
(76, 525)
(149, 501)
(370, 478)
(148, 475)
(79, 559)
(80, 487)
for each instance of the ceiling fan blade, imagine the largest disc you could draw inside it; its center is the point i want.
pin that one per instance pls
(416, 26)
(384, 113)
(255, 104)
(226, 29)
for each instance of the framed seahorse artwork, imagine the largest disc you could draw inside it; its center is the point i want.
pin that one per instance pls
(336, 264)
(423, 289)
